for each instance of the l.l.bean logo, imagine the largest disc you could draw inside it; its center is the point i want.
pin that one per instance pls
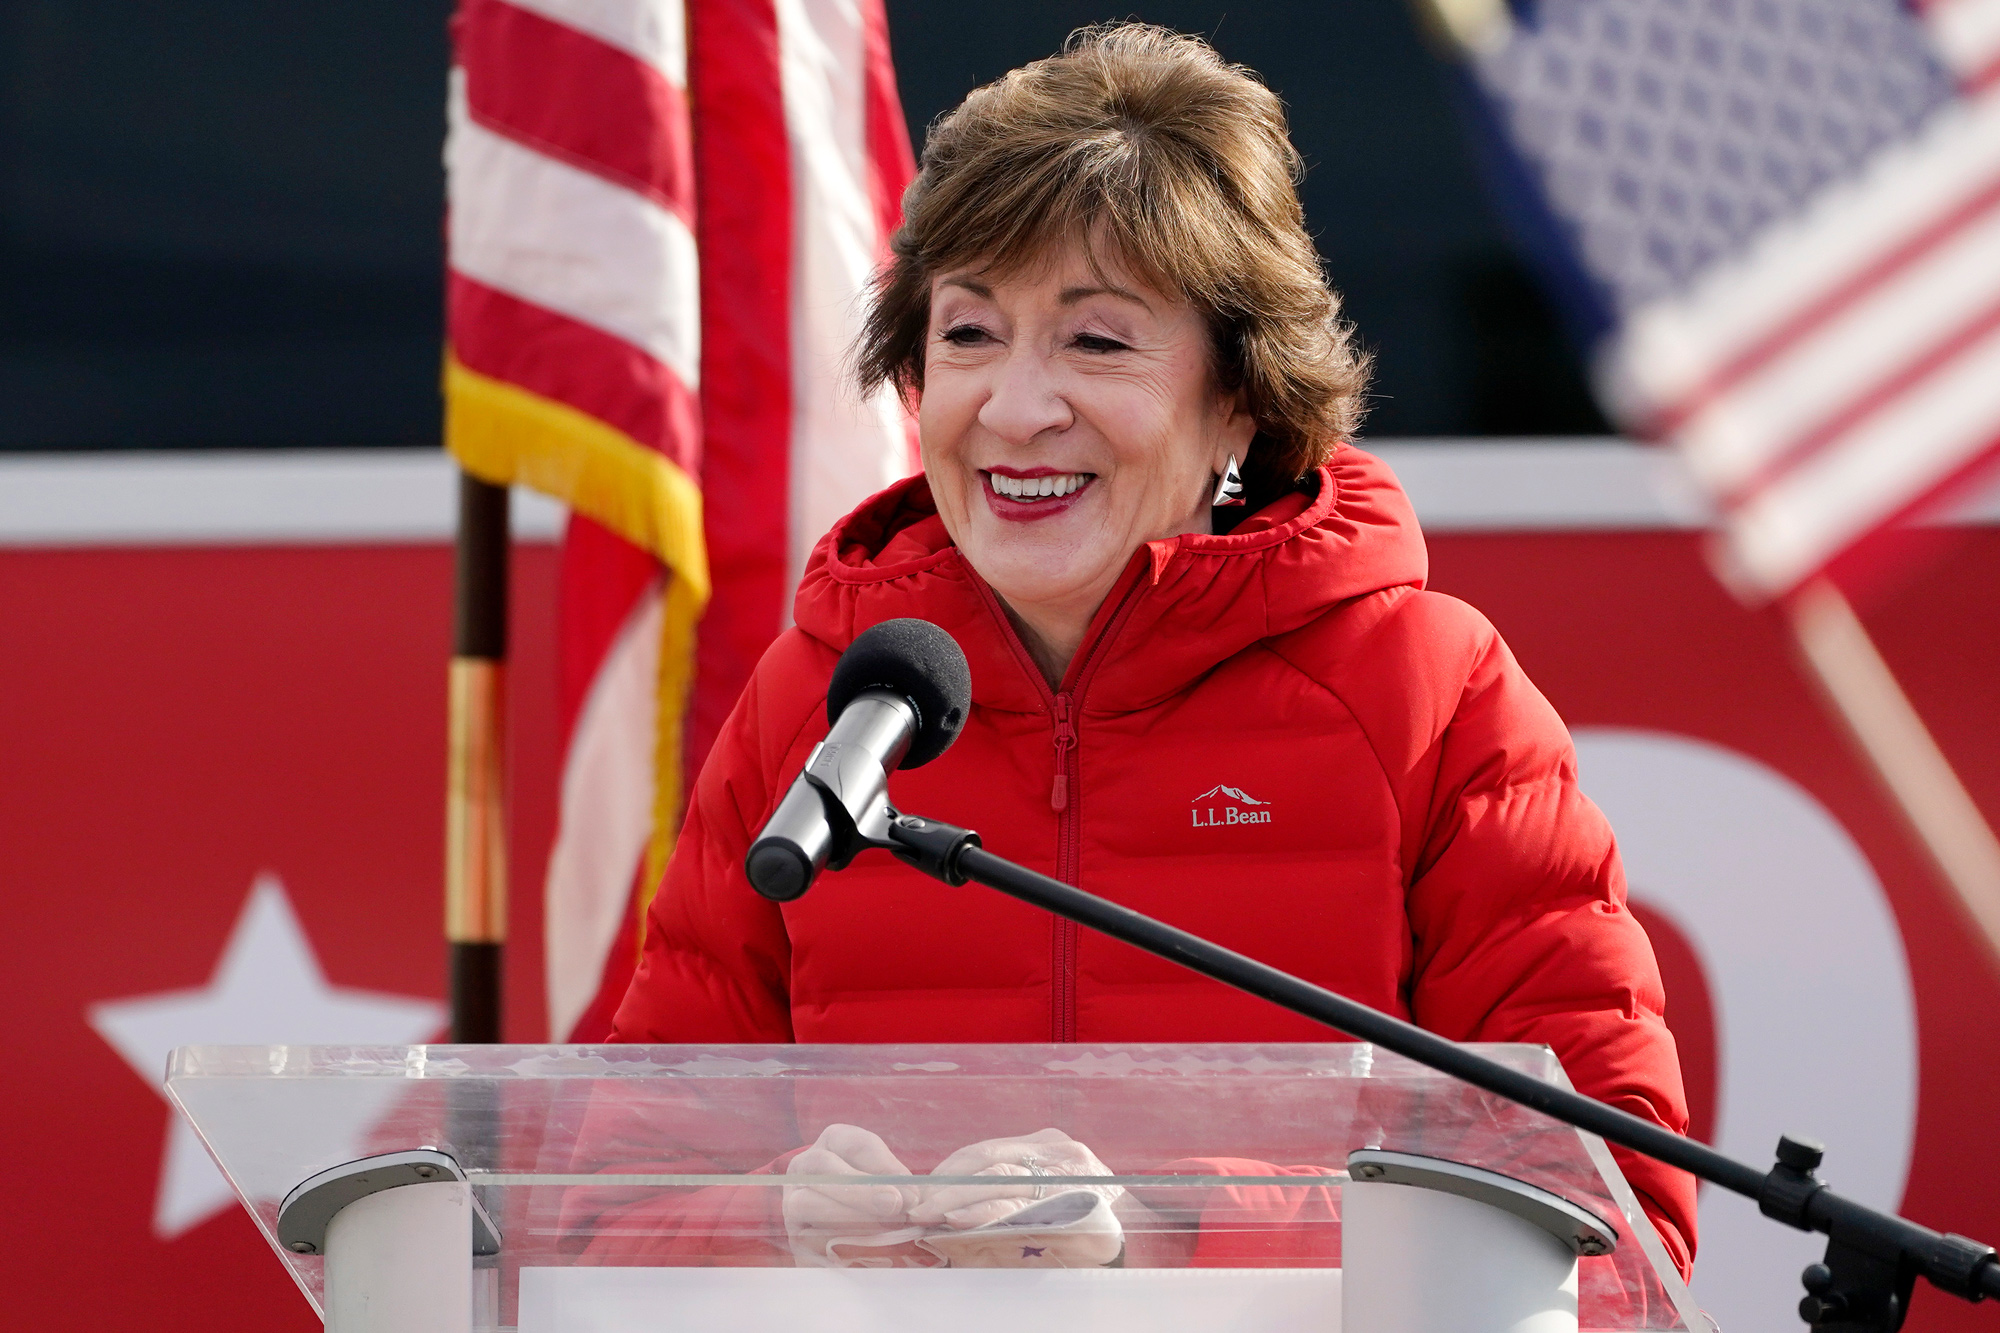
(1223, 805)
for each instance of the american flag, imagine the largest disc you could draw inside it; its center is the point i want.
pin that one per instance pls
(662, 220)
(1779, 223)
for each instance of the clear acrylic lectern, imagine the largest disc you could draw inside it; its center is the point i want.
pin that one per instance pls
(567, 1189)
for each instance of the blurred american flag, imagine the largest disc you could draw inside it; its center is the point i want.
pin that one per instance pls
(1778, 221)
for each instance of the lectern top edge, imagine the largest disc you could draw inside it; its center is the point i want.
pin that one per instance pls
(1275, 1060)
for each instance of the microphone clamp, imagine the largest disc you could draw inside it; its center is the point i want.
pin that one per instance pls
(898, 698)
(840, 806)
(848, 791)
(932, 846)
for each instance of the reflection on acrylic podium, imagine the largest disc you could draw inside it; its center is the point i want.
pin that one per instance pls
(1258, 1189)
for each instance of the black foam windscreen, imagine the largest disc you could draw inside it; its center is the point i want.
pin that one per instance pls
(920, 662)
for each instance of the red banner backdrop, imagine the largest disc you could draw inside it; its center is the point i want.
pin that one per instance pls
(179, 725)
(221, 804)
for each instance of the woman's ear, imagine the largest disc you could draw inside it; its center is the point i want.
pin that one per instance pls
(1235, 428)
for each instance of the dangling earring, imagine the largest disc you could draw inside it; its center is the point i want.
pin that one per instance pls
(1229, 486)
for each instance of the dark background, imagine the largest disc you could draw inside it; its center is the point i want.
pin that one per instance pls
(220, 222)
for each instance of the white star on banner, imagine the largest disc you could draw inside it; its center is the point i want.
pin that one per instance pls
(267, 990)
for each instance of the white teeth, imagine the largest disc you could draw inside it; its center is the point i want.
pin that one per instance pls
(1034, 488)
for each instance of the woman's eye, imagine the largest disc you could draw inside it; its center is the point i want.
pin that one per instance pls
(1097, 342)
(965, 335)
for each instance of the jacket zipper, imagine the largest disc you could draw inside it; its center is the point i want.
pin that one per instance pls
(1065, 706)
(1062, 938)
(1065, 741)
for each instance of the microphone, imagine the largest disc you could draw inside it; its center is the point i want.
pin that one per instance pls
(898, 698)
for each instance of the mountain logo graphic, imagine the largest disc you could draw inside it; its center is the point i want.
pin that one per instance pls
(1223, 804)
(1229, 793)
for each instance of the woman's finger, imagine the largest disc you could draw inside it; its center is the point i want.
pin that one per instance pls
(881, 1202)
(987, 1151)
(863, 1149)
(1008, 1184)
(1050, 1151)
(976, 1157)
(856, 1151)
(812, 1209)
(878, 1203)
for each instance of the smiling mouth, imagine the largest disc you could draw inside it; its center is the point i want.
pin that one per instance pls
(1031, 490)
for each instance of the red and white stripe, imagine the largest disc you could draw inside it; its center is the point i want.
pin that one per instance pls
(573, 267)
(801, 186)
(609, 623)
(1844, 373)
(799, 156)
(843, 447)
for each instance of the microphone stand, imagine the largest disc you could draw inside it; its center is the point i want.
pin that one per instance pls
(1872, 1258)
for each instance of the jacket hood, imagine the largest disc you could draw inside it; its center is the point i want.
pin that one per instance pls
(1183, 606)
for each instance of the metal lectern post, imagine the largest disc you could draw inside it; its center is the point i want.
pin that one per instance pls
(1435, 1246)
(397, 1233)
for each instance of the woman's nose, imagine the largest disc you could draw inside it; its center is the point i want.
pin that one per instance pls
(1025, 400)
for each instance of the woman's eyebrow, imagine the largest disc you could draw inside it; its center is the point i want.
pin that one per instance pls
(1071, 295)
(976, 288)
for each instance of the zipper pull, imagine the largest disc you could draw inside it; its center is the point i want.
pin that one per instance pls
(1065, 738)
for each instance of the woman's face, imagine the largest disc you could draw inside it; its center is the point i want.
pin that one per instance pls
(1069, 416)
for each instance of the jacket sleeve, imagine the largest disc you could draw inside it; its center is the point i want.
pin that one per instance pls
(716, 961)
(1520, 929)
(1253, 1226)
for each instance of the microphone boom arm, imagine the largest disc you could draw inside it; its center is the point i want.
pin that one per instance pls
(1873, 1258)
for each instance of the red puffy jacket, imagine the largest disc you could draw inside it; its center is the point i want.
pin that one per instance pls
(1274, 738)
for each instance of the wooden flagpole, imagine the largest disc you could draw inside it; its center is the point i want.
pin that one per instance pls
(1892, 737)
(475, 889)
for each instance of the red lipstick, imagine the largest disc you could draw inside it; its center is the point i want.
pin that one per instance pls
(1029, 511)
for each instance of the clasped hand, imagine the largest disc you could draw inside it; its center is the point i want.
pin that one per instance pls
(1023, 1170)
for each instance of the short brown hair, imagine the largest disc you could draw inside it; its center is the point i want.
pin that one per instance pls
(1182, 164)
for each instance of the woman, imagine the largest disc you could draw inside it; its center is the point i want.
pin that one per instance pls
(1207, 680)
